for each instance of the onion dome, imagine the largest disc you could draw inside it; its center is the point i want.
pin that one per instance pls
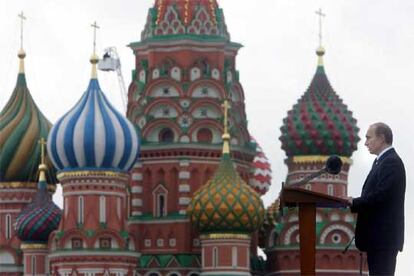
(40, 217)
(261, 178)
(319, 123)
(271, 213)
(21, 127)
(200, 18)
(226, 203)
(93, 135)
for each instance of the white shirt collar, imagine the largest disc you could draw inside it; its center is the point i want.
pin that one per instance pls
(382, 152)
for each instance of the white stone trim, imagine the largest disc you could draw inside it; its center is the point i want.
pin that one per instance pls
(136, 213)
(137, 176)
(288, 234)
(184, 175)
(136, 189)
(137, 202)
(334, 227)
(184, 188)
(184, 163)
(184, 200)
(182, 212)
(93, 253)
(97, 193)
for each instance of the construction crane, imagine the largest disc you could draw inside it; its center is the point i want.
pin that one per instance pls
(111, 62)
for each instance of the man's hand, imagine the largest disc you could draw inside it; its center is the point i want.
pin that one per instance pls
(350, 200)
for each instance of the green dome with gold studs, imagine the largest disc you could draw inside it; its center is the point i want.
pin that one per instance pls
(226, 204)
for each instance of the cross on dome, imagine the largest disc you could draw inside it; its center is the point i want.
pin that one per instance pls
(226, 135)
(320, 14)
(22, 18)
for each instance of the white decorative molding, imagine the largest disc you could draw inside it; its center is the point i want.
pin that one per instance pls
(334, 227)
(172, 242)
(215, 74)
(136, 189)
(184, 163)
(137, 176)
(137, 202)
(184, 188)
(289, 232)
(184, 200)
(147, 242)
(136, 213)
(182, 212)
(138, 165)
(184, 175)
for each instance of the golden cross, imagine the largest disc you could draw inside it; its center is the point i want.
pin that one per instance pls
(42, 143)
(226, 107)
(94, 26)
(22, 18)
(319, 12)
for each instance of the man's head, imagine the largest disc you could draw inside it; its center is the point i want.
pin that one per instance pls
(378, 138)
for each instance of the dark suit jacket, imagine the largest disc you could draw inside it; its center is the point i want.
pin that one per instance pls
(380, 208)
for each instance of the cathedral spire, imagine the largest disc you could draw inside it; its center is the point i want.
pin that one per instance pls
(94, 57)
(226, 135)
(320, 51)
(22, 53)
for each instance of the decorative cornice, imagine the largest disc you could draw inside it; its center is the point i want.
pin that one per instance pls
(90, 173)
(33, 246)
(318, 158)
(218, 236)
(24, 185)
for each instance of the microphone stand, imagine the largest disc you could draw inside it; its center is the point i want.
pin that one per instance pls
(309, 178)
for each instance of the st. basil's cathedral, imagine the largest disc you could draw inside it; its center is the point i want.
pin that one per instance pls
(173, 187)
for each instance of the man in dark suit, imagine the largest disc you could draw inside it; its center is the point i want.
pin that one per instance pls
(380, 223)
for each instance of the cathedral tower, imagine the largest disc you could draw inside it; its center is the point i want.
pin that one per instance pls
(318, 126)
(93, 147)
(22, 125)
(185, 67)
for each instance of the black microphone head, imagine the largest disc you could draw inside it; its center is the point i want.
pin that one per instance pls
(333, 164)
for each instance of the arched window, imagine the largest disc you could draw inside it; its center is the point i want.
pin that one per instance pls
(102, 209)
(166, 136)
(234, 257)
(204, 135)
(308, 187)
(330, 189)
(161, 205)
(80, 210)
(8, 227)
(215, 257)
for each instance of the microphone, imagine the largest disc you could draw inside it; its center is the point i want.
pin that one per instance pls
(332, 166)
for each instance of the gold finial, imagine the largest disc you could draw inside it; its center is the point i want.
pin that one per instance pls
(320, 51)
(42, 166)
(21, 53)
(94, 58)
(226, 135)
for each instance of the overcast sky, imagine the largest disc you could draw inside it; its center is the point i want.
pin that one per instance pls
(369, 61)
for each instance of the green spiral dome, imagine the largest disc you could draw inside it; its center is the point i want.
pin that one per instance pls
(21, 127)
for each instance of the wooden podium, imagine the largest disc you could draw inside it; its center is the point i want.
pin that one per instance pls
(308, 201)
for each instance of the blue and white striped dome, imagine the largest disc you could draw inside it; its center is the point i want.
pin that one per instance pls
(93, 135)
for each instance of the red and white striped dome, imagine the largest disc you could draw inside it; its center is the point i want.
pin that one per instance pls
(261, 178)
